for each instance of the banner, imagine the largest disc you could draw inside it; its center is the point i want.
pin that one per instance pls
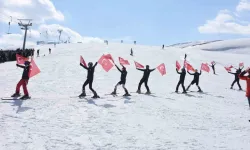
(138, 65)
(205, 67)
(34, 70)
(123, 61)
(105, 63)
(82, 61)
(162, 69)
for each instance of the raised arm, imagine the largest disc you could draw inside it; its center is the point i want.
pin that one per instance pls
(83, 66)
(20, 66)
(140, 69)
(200, 72)
(152, 70)
(118, 68)
(242, 77)
(190, 73)
(177, 71)
(95, 64)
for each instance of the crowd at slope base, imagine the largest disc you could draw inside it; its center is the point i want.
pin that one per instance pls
(10, 55)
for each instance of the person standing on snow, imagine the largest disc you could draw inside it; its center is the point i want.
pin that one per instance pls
(236, 79)
(24, 81)
(247, 79)
(37, 52)
(213, 66)
(131, 52)
(49, 50)
(89, 81)
(195, 80)
(163, 46)
(144, 79)
(182, 79)
(122, 82)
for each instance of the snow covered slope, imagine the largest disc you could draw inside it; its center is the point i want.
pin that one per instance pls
(54, 119)
(237, 46)
(192, 44)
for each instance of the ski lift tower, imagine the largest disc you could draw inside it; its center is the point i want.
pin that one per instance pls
(25, 26)
(60, 33)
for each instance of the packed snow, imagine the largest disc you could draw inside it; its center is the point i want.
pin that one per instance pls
(56, 119)
(237, 46)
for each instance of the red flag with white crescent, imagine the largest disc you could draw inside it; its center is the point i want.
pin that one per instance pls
(162, 69)
(138, 65)
(105, 63)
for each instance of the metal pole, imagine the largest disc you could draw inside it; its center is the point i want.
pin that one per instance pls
(25, 35)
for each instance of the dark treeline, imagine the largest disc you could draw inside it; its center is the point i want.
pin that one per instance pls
(10, 55)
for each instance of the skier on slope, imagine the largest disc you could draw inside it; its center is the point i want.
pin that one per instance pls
(131, 52)
(144, 79)
(195, 80)
(213, 66)
(236, 79)
(24, 81)
(182, 79)
(49, 50)
(122, 81)
(247, 79)
(90, 78)
(37, 52)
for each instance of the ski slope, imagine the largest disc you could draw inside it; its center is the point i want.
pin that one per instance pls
(237, 46)
(55, 119)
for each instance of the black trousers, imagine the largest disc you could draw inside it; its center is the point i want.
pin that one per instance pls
(88, 82)
(145, 81)
(238, 82)
(249, 101)
(182, 84)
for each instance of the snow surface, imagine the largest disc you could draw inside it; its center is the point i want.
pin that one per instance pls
(55, 119)
(192, 44)
(238, 46)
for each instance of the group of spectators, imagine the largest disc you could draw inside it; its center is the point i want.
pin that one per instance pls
(10, 55)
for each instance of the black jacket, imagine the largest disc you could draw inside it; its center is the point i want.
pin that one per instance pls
(146, 73)
(196, 75)
(182, 75)
(236, 74)
(90, 70)
(123, 73)
(26, 70)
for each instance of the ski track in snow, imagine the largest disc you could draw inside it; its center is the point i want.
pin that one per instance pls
(55, 119)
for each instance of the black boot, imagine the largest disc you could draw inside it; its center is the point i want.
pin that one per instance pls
(148, 92)
(25, 97)
(95, 95)
(126, 93)
(114, 93)
(199, 89)
(83, 94)
(138, 91)
(16, 95)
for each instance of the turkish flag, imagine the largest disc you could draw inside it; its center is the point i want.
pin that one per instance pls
(188, 66)
(123, 61)
(138, 65)
(105, 63)
(34, 70)
(241, 64)
(108, 56)
(178, 66)
(20, 59)
(162, 69)
(228, 68)
(205, 67)
(82, 61)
